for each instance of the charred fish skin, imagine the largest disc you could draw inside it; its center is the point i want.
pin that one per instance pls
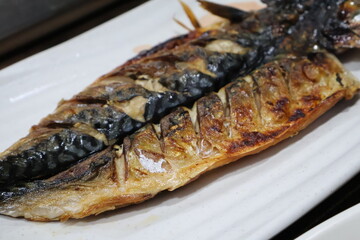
(84, 170)
(246, 116)
(330, 26)
(176, 73)
(103, 109)
(51, 152)
(113, 118)
(136, 82)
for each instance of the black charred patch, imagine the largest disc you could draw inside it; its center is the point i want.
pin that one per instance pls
(159, 104)
(225, 65)
(112, 123)
(50, 156)
(84, 171)
(174, 122)
(297, 115)
(192, 84)
(339, 79)
(87, 100)
(129, 93)
(281, 105)
(251, 139)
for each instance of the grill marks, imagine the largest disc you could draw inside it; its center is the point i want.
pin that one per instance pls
(255, 110)
(212, 123)
(165, 80)
(186, 68)
(245, 116)
(243, 107)
(123, 101)
(274, 96)
(177, 73)
(179, 138)
(261, 107)
(220, 128)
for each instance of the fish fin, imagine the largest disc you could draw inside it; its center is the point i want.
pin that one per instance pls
(190, 15)
(182, 24)
(231, 13)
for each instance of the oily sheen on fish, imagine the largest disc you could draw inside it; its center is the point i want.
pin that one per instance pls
(248, 115)
(280, 78)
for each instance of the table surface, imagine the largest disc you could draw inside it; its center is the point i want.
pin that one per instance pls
(61, 20)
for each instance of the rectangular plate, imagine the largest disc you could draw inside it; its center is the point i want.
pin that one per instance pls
(255, 197)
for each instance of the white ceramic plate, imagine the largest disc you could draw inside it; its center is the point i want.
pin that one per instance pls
(254, 198)
(344, 225)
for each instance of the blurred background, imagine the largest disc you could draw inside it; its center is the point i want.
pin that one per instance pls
(31, 26)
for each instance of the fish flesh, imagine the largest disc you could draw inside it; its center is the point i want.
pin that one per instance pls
(84, 159)
(246, 116)
(174, 73)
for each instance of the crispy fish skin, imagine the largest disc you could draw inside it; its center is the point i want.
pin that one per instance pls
(79, 149)
(245, 117)
(104, 112)
(175, 73)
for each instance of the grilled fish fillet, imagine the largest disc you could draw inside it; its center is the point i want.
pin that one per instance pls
(85, 157)
(247, 116)
(174, 73)
(177, 72)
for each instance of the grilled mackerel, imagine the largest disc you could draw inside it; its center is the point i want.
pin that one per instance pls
(84, 159)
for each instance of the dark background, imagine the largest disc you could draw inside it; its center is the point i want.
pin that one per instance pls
(31, 26)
